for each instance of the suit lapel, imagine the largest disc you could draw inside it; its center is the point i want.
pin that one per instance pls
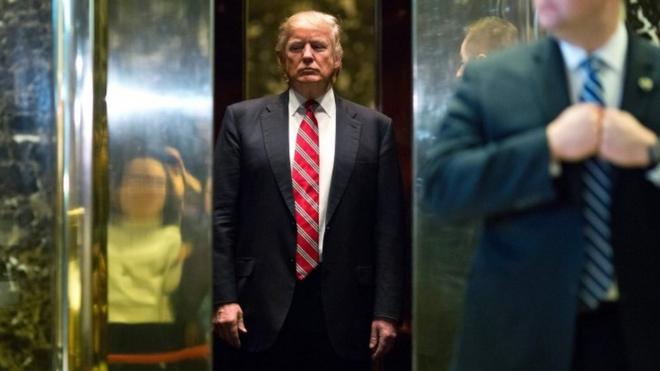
(552, 88)
(639, 70)
(346, 145)
(275, 129)
(638, 83)
(553, 96)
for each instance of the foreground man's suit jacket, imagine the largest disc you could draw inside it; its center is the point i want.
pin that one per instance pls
(492, 163)
(255, 228)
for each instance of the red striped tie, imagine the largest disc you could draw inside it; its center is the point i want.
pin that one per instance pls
(305, 177)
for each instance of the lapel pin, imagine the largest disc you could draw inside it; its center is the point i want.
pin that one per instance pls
(645, 83)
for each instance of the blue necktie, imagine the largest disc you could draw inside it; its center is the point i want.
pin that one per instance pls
(598, 274)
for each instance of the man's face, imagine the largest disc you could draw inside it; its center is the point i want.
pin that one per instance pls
(466, 56)
(309, 56)
(561, 16)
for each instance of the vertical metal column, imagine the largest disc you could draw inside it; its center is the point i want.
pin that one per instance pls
(78, 119)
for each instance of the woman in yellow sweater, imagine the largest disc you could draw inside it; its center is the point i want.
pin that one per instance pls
(145, 255)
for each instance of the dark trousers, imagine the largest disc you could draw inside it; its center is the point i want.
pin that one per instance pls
(302, 344)
(599, 344)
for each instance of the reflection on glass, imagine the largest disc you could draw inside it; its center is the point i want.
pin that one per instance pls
(144, 244)
(145, 254)
(447, 36)
(159, 127)
(357, 80)
(485, 36)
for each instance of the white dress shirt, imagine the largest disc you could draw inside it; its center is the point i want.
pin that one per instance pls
(613, 56)
(326, 115)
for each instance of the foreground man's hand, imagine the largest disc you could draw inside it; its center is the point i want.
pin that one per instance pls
(228, 321)
(575, 134)
(625, 141)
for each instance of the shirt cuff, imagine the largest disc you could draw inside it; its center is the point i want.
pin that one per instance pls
(554, 168)
(653, 175)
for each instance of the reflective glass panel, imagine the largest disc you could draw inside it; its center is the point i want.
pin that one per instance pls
(442, 252)
(159, 105)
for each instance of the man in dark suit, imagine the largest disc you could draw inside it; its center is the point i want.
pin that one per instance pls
(554, 145)
(308, 241)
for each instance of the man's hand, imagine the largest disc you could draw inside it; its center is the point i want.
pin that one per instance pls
(575, 134)
(625, 141)
(228, 321)
(383, 333)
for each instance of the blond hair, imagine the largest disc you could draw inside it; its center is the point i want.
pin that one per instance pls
(309, 18)
(489, 34)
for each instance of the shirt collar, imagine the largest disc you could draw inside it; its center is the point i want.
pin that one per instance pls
(612, 53)
(326, 102)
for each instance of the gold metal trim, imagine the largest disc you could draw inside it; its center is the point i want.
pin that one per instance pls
(80, 54)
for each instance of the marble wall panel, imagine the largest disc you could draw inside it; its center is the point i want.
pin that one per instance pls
(26, 184)
(644, 18)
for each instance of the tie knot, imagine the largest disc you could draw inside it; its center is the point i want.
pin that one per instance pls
(592, 90)
(592, 64)
(311, 105)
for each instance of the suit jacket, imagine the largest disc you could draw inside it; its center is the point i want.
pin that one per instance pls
(492, 163)
(255, 228)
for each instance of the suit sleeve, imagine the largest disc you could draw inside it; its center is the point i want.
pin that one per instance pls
(389, 231)
(226, 181)
(469, 175)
